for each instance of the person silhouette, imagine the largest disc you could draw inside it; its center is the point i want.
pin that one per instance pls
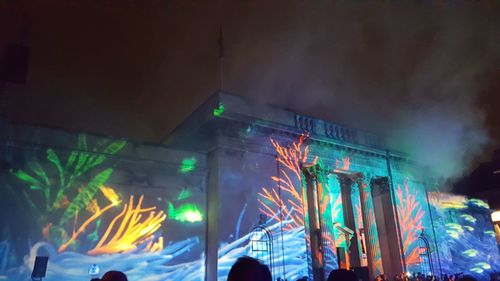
(342, 275)
(114, 276)
(249, 269)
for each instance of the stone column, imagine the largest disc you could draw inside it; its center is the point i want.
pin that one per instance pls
(315, 230)
(370, 228)
(212, 232)
(349, 219)
(387, 226)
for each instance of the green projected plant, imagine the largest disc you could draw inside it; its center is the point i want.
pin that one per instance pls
(65, 186)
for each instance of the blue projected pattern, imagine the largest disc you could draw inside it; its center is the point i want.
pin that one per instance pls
(93, 205)
(464, 228)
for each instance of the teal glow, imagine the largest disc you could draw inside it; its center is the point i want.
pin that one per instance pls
(187, 165)
(219, 110)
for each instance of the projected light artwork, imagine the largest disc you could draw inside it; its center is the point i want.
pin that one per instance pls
(301, 200)
(410, 220)
(74, 205)
(187, 212)
(288, 181)
(217, 112)
(188, 165)
(466, 232)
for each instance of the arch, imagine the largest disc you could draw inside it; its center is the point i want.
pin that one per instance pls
(261, 246)
(424, 250)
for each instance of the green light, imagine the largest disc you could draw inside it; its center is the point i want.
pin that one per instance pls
(187, 165)
(454, 226)
(470, 253)
(468, 218)
(184, 194)
(490, 232)
(219, 110)
(479, 203)
(477, 270)
(454, 230)
(484, 265)
(186, 212)
(452, 233)
(469, 228)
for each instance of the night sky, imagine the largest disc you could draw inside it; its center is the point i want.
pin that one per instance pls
(425, 74)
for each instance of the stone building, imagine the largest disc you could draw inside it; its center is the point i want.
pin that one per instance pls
(235, 178)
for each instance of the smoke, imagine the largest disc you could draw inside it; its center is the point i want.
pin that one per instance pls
(410, 72)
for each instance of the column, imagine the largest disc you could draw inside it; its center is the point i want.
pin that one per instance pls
(212, 232)
(370, 228)
(349, 220)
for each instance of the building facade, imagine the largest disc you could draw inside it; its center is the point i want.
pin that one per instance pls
(236, 178)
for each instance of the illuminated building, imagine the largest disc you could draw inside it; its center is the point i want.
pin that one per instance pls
(235, 178)
(495, 217)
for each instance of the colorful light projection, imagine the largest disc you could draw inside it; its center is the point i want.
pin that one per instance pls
(467, 227)
(327, 218)
(188, 165)
(359, 224)
(291, 159)
(410, 215)
(287, 195)
(373, 246)
(131, 230)
(217, 112)
(66, 197)
(185, 213)
(80, 219)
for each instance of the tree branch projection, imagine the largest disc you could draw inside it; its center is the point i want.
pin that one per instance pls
(83, 227)
(410, 219)
(131, 229)
(291, 159)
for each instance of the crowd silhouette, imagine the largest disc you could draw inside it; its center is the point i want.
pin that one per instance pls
(250, 269)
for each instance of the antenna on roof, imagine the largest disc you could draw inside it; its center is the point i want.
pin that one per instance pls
(221, 56)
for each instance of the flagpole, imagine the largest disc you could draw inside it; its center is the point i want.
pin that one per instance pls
(221, 57)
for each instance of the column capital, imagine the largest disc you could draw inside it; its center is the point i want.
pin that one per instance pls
(317, 171)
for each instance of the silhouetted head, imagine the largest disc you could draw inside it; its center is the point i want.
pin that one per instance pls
(249, 269)
(114, 276)
(467, 278)
(342, 275)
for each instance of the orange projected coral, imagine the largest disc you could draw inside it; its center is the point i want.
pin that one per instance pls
(291, 159)
(98, 212)
(130, 228)
(346, 164)
(410, 219)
